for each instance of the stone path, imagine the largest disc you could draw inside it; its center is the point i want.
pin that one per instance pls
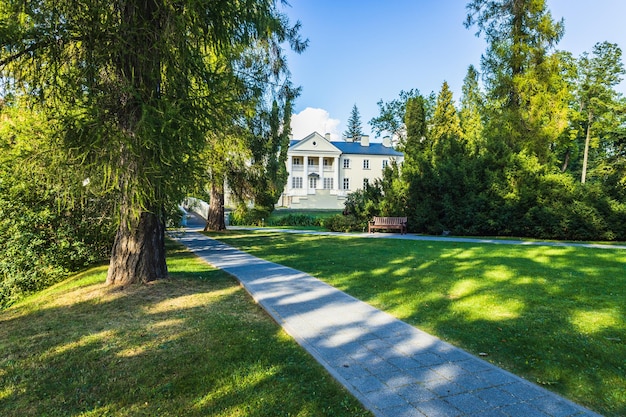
(393, 368)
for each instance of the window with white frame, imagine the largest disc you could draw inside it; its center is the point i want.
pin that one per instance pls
(366, 182)
(385, 163)
(346, 183)
(328, 183)
(346, 163)
(366, 164)
(297, 160)
(312, 183)
(296, 182)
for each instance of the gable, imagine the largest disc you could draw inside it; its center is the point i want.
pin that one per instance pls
(314, 143)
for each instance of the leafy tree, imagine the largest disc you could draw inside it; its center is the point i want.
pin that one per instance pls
(391, 117)
(354, 129)
(599, 74)
(126, 79)
(52, 221)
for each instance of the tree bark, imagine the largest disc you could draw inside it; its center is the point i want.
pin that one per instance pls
(583, 176)
(138, 254)
(215, 217)
(566, 161)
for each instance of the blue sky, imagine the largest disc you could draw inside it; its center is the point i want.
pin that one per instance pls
(361, 51)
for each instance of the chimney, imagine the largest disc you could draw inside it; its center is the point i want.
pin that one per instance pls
(348, 138)
(327, 136)
(387, 142)
(365, 140)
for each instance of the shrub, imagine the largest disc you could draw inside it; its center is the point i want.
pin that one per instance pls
(344, 223)
(295, 219)
(244, 216)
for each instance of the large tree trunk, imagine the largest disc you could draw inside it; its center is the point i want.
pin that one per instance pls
(138, 254)
(215, 217)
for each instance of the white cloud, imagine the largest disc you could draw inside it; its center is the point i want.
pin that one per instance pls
(312, 120)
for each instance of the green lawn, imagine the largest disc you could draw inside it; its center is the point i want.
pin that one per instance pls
(192, 345)
(554, 315)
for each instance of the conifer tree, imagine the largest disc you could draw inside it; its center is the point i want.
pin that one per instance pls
(523, 75)
(599, 74)
(128, 80)
(445, 131)
(354, 129)
(472, 103)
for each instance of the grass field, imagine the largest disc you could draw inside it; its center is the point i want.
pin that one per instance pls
(192, 345)
(553, 315)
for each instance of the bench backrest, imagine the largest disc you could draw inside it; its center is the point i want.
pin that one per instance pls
(389, 220)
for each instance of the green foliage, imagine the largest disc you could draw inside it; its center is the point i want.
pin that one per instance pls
(246, 216)
(295, 219)
(136, 86)
(354, 129)
(51, 224)
(343, 223)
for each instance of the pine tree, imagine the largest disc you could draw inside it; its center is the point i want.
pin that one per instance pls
(354, 130)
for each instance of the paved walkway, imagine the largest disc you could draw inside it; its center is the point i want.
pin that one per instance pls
(393, 368)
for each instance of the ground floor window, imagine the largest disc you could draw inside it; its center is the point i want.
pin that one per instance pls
(296, 182)
(328, 183)
(346, 183)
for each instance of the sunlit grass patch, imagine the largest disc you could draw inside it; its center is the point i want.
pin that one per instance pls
(192, 345)
(554, 315)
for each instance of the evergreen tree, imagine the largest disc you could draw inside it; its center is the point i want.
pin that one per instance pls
(599, 74)
(127, 79)
(354, 129)
(523, 77)
(445, 131)
(472, 103)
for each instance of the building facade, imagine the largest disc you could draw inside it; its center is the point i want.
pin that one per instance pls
(322, 172)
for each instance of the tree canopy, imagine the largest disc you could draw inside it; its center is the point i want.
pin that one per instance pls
(134, 87)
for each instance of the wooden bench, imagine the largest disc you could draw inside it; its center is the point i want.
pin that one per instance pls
(398, 223)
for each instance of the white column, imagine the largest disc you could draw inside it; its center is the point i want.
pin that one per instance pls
(336, 174)
(305, 180)
(321, 184)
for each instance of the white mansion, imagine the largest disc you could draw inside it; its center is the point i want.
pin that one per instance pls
(322, 173)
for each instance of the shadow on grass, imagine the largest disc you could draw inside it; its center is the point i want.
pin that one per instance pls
(180, 346)
(553, 315)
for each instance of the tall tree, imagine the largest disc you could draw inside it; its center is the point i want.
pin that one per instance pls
(354, 129)
(599, 74)
(472, 103)
(390, 119)
(445, 130)
(522, 74)
(126, 77)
